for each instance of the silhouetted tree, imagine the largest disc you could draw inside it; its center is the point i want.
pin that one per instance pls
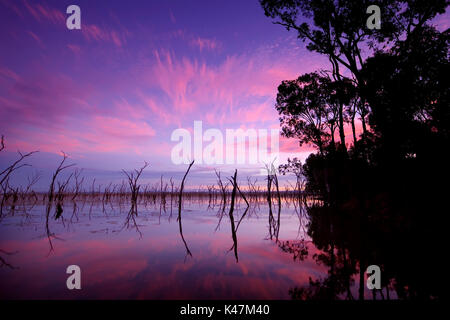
(407, 88)
(338, 29)
(373, 200)
(302, 105)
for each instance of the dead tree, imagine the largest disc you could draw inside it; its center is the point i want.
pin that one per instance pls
(230, 213)
(6, 173)
(3, 262)
(78, 184)
(51, 196)
(277, 187)
(133, 178)
(269, 202)
(223, 188)
(246, 209)
(180, 197)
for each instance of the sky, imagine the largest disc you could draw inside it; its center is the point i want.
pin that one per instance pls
(111, 94)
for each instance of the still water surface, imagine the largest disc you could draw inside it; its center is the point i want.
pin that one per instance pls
(150, 261)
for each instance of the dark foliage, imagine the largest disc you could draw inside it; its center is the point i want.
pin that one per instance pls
(383, 201)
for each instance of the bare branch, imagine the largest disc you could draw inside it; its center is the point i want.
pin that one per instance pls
(180, 196)
(5, 173)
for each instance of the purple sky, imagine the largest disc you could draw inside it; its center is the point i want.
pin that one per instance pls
(111, 94)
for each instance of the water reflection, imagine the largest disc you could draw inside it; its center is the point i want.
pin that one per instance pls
(91, 235)
(315, 255)
(180, 199)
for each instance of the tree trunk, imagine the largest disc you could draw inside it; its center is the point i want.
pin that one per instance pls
(341, 126)
(333, 143)
(354, 130)
(363, 121)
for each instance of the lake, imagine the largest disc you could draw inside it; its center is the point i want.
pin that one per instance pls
(147, 258)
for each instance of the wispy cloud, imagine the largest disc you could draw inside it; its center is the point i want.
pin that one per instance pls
(205, 44)
(75, 49)
(9, 74)
(35, 37)
(239, 88)
(172, 17)
(94, 32)
(43, 12)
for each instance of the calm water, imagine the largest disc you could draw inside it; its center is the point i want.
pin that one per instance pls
(150, 261)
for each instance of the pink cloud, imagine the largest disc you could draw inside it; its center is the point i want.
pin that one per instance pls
(242, 88)
(160, 111)
(99, 134)
(173, 78)
(204, 43)
(123, 129)
(12, 5)
(291, 145)
(35, 37)
(75, 49)
(43, 12)
(261, 112)
(42, 99)
(90, 31)
(172, 17)
(94, 32)
(51, 112)
(9, 74)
